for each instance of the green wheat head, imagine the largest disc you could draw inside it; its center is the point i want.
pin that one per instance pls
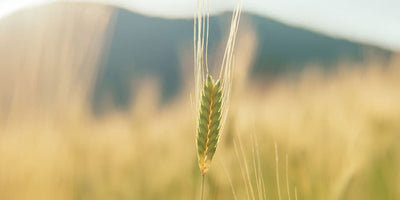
(209, 123)
(212, 96)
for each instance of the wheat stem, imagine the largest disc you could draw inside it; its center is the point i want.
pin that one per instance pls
(202, 188)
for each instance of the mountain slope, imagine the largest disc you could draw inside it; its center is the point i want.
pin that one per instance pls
(143, 46)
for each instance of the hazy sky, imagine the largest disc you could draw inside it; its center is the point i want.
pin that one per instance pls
(369, 21)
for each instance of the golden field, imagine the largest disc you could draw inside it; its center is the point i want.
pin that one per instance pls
(339, 130)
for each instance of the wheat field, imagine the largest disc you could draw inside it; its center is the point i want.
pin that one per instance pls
(336, 132)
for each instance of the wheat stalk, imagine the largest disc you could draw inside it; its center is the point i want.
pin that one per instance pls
(212, 95)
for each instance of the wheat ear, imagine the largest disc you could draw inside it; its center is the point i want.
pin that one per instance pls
(209, 123)
(212, 96)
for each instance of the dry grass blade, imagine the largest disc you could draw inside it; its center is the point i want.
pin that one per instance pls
(230, 180)
(277, 171)
(287, 176)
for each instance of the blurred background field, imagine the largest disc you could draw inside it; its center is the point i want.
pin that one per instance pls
(95, 104)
